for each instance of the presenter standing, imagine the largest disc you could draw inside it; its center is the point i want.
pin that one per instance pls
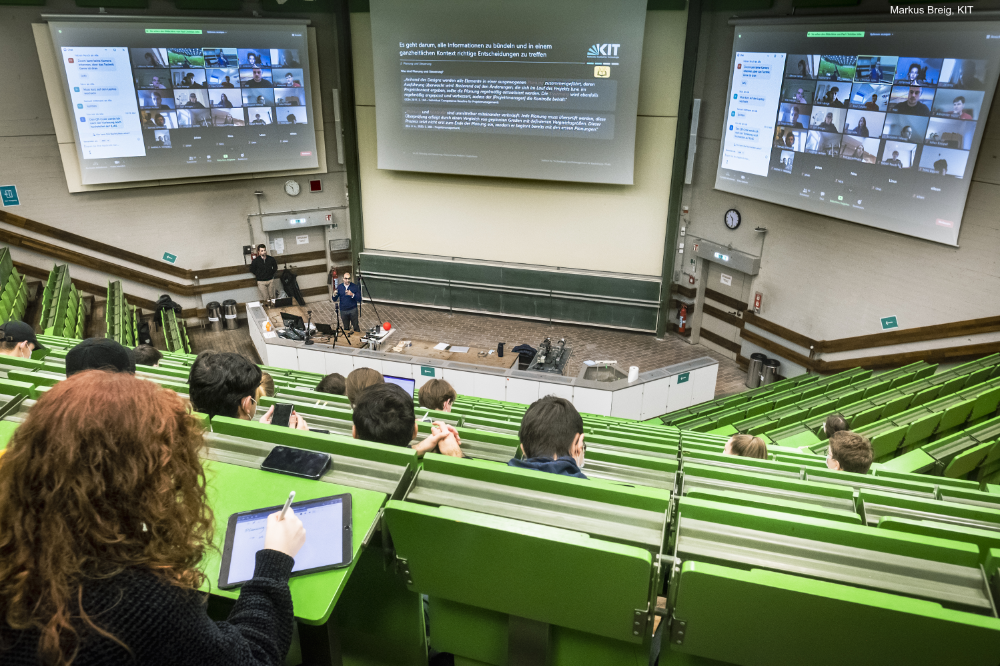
(263, 268)
(350, 298)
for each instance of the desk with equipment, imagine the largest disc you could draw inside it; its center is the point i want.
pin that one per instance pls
(651, 394)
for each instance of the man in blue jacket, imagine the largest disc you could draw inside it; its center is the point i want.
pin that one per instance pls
(349, 296)
(552, 438)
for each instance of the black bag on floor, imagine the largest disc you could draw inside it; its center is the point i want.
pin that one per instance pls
(143, 335)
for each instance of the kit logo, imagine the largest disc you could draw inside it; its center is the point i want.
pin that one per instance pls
(606, 50)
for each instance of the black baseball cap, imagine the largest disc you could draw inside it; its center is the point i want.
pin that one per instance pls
(18, 331)
(99, 354)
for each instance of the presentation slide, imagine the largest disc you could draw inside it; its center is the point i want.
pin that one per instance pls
(523, 89)
(154, 99)
(325, 546)
(877, 124)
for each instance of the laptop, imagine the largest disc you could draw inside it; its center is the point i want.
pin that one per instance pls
(293, 321)
(324, 329)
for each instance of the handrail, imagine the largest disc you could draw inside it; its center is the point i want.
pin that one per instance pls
(88, 261)
(132, 257)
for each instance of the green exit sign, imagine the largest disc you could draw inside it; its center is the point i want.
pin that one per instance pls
(426, 372)
(889, 322)
(169, 258)
(683, 377)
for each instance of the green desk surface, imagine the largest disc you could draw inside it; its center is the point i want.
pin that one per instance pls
(232, 488)
(7, 429)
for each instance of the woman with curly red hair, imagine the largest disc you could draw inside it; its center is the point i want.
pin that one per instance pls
(103, 522)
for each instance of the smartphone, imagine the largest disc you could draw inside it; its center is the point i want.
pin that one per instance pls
(282, 414)
(297, 462)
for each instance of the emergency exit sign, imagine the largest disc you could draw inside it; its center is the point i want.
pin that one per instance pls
(169, 258)
(889, 322)
(426, 372)
(683, 377)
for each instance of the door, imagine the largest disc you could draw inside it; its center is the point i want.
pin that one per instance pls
(725, 298)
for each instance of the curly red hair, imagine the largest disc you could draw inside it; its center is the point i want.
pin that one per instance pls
(103, 475)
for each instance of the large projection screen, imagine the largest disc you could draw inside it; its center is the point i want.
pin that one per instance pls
(877, 124)
(543, 89)
(156, 98)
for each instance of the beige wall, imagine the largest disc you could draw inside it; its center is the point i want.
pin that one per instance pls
(603, 227)
(829, 279)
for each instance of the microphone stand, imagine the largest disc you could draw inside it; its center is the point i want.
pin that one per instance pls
(309, 328)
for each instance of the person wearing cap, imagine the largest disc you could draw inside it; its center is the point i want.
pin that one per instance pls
(99, 354)
(18, 339)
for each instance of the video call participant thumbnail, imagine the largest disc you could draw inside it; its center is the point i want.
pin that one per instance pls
(964, 74)
(958, 104)
(905, 128)
(289, 96)
(875, 69)
(286, 78)
(898, 154)
(153, 79)
(794, 115)
(918, 71)
(943, 161)
(256, 78)
(291, 115)
(259, 116)
(221, 58)
(148, 58)
(222, 99)
(911, 100)
(870, 97)
(158, 119)
(225, 117)
(153, 99)
(191, 99)
(250, 58)
(827, 119)
(188, 78)
(223, 78)
(258, 97)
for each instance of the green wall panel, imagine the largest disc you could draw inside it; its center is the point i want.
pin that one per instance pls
(518, 292)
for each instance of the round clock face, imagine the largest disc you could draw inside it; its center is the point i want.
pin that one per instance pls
(732, 218)
(291, 188)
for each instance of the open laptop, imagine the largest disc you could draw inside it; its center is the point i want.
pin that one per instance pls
(293, 321)
(324, 329)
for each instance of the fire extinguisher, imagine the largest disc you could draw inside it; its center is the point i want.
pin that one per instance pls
(683, 317)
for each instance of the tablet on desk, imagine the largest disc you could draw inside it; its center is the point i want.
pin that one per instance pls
(329, 542)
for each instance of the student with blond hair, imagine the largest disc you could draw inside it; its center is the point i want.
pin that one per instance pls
(746, 446)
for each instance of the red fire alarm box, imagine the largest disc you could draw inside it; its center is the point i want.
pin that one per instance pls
(757, 299)
(315, 185)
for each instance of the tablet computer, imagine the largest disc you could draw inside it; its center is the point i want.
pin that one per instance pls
(329, 539)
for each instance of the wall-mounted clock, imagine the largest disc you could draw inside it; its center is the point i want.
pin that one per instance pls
(291, 188)
(732, 218)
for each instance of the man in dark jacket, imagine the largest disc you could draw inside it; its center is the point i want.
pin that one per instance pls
(349, 296)
(263, 268)
(552, 438)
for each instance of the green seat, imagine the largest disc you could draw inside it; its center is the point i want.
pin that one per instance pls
(956, 415)
(967, 460)
(921, 429)
(896, 405)
(866, 417)
(903, 379)
(954, 385)
(980, 375)
(915, 461)
(878, 387)
(823, 409)
(986, 404)
(925, 396)
(887, 441)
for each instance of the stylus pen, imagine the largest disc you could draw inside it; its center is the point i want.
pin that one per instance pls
(424, 417)
(288, 503)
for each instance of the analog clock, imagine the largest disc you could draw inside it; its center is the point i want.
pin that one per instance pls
(291, 188)
(732, 218)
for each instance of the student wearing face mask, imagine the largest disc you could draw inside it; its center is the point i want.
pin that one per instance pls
(552, 438)
(18, 339)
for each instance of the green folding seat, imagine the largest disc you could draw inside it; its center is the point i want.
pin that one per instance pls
(986, 404)
(853, 395)
(886, 439)
(925, 396)
(759, 407)
(896, 405)
(921, 429)
(956, 415)
(954, 385)
(925, 371)
(823, 409)
(967, 460)
(866, 417)
(903, 379)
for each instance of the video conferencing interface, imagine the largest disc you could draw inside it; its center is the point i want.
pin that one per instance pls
(518, 89)
(152, 100)
(875, 124)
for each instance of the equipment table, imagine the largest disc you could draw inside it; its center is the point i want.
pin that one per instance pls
(425, 349)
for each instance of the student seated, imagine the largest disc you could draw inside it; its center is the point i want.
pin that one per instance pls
(746, 446)
(552, 438)
(266, 387)
(99, 354)
(835, 423)
(385, 414)
(332, 384)
(18, 339)
(849, 452)
(109, 572)
(225, 384)
(437, 394)
(147, 355)
(359, 380)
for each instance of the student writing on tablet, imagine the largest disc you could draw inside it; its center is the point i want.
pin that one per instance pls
(225, 384)
(103, 524)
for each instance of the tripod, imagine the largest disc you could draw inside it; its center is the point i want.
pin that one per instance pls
(309, 328)
(338, 328)
(365, 287)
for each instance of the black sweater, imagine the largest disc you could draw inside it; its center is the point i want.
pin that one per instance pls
(164, 624)
(264, 269)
